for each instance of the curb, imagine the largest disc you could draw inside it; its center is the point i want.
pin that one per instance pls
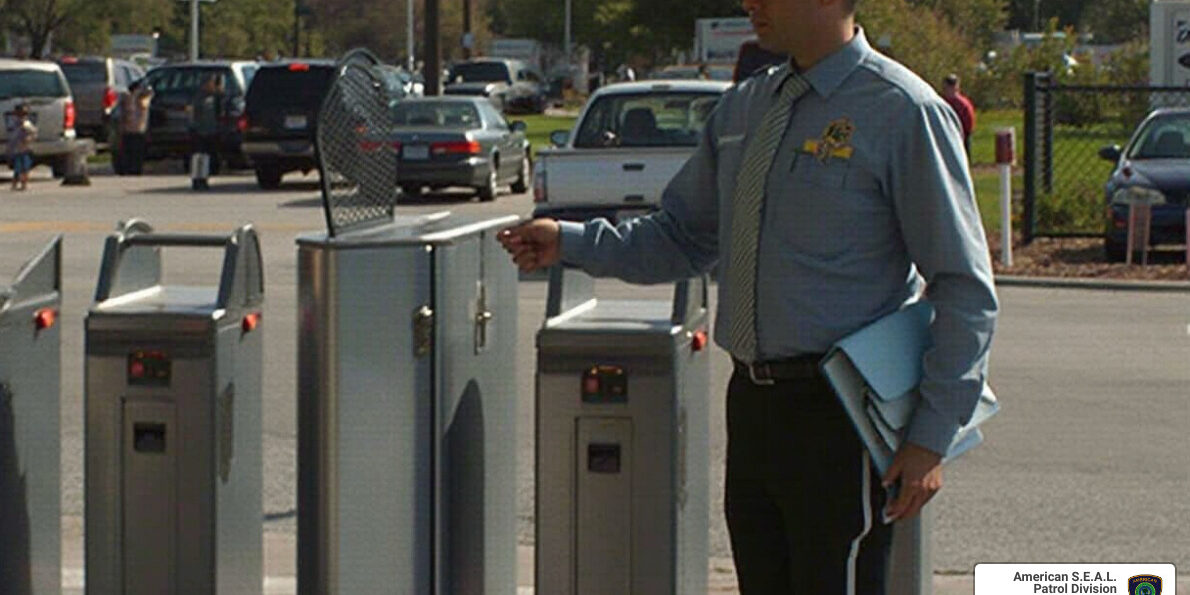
(1100, 284)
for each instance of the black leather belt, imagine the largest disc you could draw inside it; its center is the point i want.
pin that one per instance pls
(802, 367)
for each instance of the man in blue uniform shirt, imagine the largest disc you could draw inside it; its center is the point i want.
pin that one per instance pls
(831, 190)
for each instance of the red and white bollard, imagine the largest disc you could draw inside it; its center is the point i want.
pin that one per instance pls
(1005, 158)
(1140, 219)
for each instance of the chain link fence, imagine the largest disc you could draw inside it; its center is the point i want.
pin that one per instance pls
(356, 157)
(1065, 128)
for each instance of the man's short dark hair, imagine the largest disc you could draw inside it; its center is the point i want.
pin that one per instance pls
(951, 79)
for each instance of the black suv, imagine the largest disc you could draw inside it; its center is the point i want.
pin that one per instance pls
(174, 87)
(281, 115)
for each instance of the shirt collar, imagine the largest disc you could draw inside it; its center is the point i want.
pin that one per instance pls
(829, 73)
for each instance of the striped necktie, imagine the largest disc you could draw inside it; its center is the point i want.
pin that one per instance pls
(747, 206)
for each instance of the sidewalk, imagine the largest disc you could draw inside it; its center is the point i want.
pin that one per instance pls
(280, 554)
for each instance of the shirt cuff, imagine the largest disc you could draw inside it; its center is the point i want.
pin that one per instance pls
(931, 430)
(574, 249)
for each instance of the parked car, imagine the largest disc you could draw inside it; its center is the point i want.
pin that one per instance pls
(174, 87)
(1153, 168)
(626, 145)
(753, 59)
(458, 141)
(96, 83)
(511, 84)
(43, 89)
(711, 72)
(280, 115)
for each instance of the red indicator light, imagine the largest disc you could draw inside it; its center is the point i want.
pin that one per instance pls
(70, 60)
(45, 318)
(250, 322)
(591, 385)
(136, 369)
(699, 341)
(299, 67)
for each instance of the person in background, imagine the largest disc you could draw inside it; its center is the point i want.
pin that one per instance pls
(962, 106)
(205, 109)
(134, 123)
(831, 192)
(21, 133)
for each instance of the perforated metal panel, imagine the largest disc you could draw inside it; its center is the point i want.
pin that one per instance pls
(356, 157)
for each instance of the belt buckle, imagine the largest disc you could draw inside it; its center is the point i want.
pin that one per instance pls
(767, 372)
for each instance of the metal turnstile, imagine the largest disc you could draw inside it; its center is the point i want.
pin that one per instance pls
(407, 409)
(622, 442)
(911, 562)
(173, 421)
(30, 445)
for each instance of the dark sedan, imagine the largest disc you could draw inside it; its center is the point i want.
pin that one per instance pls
(459, 141)
(1153, 169)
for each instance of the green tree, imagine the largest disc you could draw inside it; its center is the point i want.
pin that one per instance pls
(1117, 21)
(38, 20)
(977, 20)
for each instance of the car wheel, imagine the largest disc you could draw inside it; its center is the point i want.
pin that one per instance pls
(487, 192)
(1114, 251)
(523, 176)
(268, 177)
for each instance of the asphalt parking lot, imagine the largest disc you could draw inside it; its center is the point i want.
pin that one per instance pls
(1087, 462)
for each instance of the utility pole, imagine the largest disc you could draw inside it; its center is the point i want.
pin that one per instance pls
(193, 30)
(409, 35)
(433, 60)
(467, 38)
(566, 39)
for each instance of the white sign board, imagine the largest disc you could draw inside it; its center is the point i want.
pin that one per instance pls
(717, 41)
(1170, 43)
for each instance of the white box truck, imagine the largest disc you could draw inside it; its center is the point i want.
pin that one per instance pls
(1170, 43)
(717, 41)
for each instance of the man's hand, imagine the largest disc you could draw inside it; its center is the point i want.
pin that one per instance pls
(919, 471)
(533, 245)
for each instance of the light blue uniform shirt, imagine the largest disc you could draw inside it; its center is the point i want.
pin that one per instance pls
(844, 239)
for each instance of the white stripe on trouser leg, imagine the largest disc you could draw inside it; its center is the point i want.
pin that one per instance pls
(866, 501)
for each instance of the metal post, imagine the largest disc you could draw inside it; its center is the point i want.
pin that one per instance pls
(193, 30)
(409, 35)
(566, 40)
(1031, 143)
(467, 39)
(297, 19)
(433, 61)
(1006, 214)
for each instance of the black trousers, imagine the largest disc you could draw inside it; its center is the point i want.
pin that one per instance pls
(133, 152)
(803, 501)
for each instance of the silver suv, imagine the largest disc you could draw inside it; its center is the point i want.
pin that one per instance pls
(97, 83)
(42, 87)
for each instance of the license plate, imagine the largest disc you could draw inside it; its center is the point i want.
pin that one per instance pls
(295, 122)
(416, 152)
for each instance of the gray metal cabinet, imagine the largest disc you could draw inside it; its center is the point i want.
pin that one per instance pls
(30, 387)
(407, 409)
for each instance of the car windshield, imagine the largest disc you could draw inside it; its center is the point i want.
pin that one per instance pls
(446, 114)
(285, 86)
(84, 72)
(185, 81)
(479, 72)
(1164, 137)
(670, 119)
(30, 83)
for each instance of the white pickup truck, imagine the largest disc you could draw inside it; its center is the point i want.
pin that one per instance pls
(628, 142)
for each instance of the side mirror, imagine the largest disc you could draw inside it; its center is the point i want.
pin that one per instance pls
(559, 138)
(518, 126)
(1110, 153)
